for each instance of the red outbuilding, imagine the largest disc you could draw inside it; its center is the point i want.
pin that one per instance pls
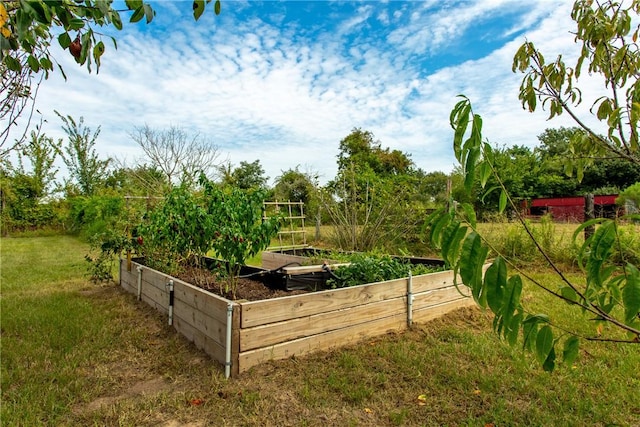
(571, 209)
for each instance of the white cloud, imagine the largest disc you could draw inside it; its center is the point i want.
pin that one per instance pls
(287, 97)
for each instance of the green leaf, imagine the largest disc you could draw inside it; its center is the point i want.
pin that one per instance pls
(98, 50)
(75, 24)
(133, 4)
(64, 39)
(198, 8)
(40, 13)
(437, 227)
(33, 63)
(470, 166)
(217, 7)
(12, 63)
(601, 246)
(117, 21)
(46, 63)
(569, 293)
(511, 301)
(472, 258)
(470, 214)
(550, 362)
(495, 281)
(570, 352)
(451, 239)
(631, 294)
(544, 343)
(513, 328)
(484, 171)
(459, 120)
(137, 14)
(529, 332)
(149, 13)
(503, 201)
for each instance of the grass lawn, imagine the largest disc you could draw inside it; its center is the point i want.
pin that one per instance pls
(74, 353)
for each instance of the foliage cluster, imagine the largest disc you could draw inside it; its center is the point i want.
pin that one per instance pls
(378, 198)
(611, 294)
(543, 172)
(27, 28)
(186, 226)
(368, 268)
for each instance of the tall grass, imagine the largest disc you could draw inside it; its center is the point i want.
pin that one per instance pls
(511, 240)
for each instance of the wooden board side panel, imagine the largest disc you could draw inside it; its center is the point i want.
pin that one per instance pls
(201, 300)
(435, 297)
(128, 277)
(210, 327)
(336, 338)
(154, 295)
(202, 341)
(255, 313)
(128, 281)
(432, 312)
(271, 260)
(431, 281)
(273, 333)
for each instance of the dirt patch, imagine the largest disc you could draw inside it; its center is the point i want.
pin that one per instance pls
(153, 386)
(247, 289)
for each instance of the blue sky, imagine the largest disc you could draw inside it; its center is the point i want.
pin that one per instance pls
(284, 82)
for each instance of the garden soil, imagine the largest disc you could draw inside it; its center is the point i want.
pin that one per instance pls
(247, 289)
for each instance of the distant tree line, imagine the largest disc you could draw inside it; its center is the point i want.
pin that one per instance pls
(377, 200)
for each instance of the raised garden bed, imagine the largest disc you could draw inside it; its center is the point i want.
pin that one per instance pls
(306, 268)
(242, 334)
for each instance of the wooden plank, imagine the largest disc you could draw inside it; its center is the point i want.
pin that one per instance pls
(431, 281)
(274, 333)
(212, 328)
(206, 302)
(213, 349)
(130, 277)
(129, 288)
(435, 311)
(331, 339)
(153, 294)
(235, 341)
(127, 280)
(435, 297)
(311, 268)
(255, 313)
(156, 279)
(287, 247)
(271, 260)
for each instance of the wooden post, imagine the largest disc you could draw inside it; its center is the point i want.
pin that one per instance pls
(589, 213)
(318, 223)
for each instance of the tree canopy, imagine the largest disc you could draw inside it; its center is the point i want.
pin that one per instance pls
(27, 29)
(611, 294)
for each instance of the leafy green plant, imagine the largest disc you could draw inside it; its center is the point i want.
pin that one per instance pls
(110, 243)
(364, 268)
(611, 294)
(240, 229)
(179, 231)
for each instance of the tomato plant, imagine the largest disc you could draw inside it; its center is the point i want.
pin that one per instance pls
(240, 230)
(178, 232)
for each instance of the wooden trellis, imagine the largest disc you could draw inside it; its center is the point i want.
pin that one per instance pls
(293, 234)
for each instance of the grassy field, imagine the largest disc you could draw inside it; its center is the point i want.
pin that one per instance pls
(74, 353)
